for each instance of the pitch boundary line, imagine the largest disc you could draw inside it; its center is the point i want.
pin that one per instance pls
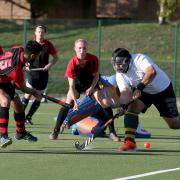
(148, 174)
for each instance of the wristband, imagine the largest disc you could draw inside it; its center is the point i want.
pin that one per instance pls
(140, 86)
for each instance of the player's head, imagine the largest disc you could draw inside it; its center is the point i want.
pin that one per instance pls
(81, 47)
(32, 50)
(121, 59)
(40, 30)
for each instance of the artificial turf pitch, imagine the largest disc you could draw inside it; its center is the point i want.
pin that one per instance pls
(59, 160)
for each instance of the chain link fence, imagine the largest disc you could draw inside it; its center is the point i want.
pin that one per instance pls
(160, 42)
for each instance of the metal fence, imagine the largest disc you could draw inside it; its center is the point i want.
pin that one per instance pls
(160, 42)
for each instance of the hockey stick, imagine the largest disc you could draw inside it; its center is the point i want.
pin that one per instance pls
(62, 103)
(36, 69)
(79, 146)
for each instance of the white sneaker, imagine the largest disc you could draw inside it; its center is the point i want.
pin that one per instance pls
(142, 133)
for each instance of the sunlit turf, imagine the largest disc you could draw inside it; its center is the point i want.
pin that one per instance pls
(59, 159)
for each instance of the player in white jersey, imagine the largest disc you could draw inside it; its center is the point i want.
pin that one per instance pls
(110, 97)
(140, 79)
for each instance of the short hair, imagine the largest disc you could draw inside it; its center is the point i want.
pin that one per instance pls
(42, 27)
(33, 47)
(81, 40)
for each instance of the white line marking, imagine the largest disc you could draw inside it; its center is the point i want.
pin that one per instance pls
(148, 174)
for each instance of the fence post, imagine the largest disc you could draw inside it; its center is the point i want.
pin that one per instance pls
(175, 56)
(99, 39)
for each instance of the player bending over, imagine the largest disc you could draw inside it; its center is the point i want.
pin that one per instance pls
(11, 77)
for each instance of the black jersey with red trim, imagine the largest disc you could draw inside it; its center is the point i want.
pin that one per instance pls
(39, 79)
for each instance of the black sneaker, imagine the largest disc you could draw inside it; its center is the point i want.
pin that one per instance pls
(26, 136)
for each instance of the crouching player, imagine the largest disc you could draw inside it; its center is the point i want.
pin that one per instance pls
(107, 96)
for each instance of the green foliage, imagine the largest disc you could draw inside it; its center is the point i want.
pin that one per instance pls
(168, 8)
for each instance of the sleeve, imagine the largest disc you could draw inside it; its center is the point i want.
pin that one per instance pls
(70, 73)
(122, 82)
(17, 76)
(52, 49)
(144, 62)
(96, 65)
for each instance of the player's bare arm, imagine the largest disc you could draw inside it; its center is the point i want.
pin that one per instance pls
(150, 74)
(90, 90)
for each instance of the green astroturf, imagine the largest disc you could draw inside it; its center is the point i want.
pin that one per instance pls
(52, 160)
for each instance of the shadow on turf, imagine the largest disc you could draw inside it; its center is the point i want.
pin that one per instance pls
(165, 137)
(89, 152)
(96, 151)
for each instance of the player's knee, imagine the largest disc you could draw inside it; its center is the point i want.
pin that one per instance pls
(105, 103)
(5, 101)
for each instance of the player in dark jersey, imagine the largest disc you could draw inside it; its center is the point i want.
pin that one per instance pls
(34, 77)
(83, 76)
(11, 77)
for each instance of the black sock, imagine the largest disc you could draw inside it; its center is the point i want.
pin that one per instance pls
(60, 119)
(25, 102)
(35, 105)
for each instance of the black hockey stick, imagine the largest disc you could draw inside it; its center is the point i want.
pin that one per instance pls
(79, 146)
(62, 103)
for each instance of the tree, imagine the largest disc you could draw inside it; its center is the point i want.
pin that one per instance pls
(167, 10)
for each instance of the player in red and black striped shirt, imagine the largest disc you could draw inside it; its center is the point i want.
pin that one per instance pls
(11, 77)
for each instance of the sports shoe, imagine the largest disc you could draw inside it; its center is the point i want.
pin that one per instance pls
(128, 146)
(5, 141)
(114, 137)
(54, 135)
(26, 136)
(142, 133)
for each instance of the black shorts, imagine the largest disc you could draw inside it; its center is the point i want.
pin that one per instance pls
(9, 88)
(40, 81)
(165, 102)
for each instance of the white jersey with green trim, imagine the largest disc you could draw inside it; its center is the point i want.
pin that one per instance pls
(135, 74)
